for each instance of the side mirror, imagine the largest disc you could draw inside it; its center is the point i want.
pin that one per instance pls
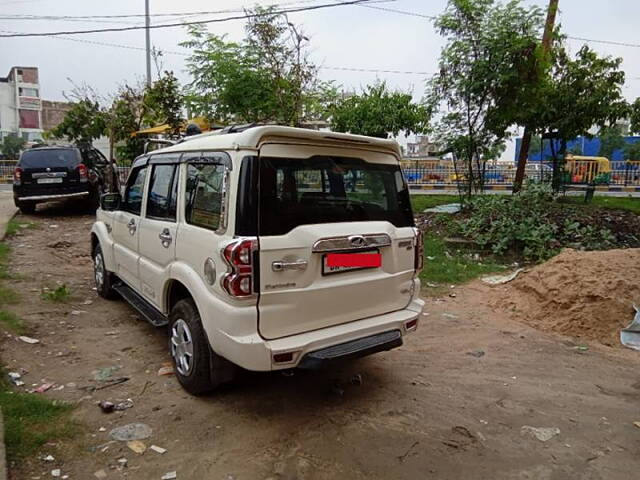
(110, 202)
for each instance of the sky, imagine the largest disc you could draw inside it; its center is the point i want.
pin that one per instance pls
(355, 37)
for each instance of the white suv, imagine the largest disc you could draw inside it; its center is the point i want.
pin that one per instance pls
(267, 248)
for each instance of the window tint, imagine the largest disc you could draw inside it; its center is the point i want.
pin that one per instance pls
(133, 192)
(204, 195)
(297, 192)
(54, 157)
(162, 192)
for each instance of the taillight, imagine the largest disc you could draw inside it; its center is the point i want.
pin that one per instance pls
(83, 171)
(419, 251)
(17, 176)
(239, 256)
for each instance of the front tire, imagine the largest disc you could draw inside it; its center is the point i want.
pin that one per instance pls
(198, 369)
(103, 277)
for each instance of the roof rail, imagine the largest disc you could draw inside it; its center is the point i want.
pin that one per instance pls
(238, 128)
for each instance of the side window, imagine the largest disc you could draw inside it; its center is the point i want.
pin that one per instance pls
(161, 203)
(204, 195)
(134, 191)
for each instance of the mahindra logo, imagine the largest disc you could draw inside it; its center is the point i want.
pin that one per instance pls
(357, 241)
(48, 169)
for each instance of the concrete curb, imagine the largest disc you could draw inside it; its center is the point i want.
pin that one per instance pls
(7, 212)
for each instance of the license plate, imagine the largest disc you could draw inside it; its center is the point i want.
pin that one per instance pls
(348, 262)
(49, 180)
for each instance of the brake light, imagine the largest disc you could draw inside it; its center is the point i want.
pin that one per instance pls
(84, 172)
(419, 251)
(17, 176)
(239, 256)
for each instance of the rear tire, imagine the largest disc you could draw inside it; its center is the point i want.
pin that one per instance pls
(103, 277)
(198, 369)
(27, 207)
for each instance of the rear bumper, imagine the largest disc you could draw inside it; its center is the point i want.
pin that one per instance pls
(311, 349)
(353, 349)
(48, 196)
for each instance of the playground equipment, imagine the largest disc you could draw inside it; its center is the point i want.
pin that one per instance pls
(581, 169)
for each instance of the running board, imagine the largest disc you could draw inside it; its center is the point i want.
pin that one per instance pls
(148, 311)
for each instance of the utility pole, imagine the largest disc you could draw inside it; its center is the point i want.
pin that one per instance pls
(526, 137)
(147, 22)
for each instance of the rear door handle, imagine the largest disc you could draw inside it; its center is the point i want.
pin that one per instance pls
(132, 226)
(280, 265)
(165, 237)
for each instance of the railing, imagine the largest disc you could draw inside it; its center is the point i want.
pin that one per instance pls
(621, 174)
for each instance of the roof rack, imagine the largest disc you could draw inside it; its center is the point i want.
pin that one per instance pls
(238, 128)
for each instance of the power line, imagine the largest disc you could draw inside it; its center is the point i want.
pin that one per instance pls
(606, 42)
(401, 12)
(183, 24)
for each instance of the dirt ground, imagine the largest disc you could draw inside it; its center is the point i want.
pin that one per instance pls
(449, 404)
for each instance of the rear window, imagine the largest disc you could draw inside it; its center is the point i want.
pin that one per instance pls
(297, 192)
(50, 158)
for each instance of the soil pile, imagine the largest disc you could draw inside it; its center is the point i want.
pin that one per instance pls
(586, 295)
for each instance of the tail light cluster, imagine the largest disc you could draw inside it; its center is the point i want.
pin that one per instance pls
(239, 255)
(83, 171)
(419, 251)
(17, 176)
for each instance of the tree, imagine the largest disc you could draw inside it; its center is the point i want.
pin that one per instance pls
(611, 139)
(631, 151)
(126, 116)
(485, 69)
(83, 123)
(267, 77)
(378, 112)
(12, 145)
(163, 103)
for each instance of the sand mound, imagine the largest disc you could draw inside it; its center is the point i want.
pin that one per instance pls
(587, 295)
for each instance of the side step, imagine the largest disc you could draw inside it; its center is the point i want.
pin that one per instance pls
(353, 349)
(148, 311)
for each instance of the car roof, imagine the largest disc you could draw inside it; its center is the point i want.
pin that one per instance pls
(252, 138)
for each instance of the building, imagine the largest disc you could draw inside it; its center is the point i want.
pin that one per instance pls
(422, 147)
(20, 104)
(53, 113)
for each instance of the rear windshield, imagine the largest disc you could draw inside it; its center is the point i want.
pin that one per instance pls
(50, 158)
(327, 190)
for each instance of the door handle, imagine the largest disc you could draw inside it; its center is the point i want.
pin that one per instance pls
(132, 226)
(165, 237)
(279, 265)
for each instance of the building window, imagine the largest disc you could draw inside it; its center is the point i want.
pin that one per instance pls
(28, 92)
(29, 119)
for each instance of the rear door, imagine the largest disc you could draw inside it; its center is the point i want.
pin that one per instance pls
(317, 202)
(126, 231)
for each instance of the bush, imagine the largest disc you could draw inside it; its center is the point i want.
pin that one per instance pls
(526, 224)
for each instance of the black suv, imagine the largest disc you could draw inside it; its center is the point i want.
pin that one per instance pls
(60, 172)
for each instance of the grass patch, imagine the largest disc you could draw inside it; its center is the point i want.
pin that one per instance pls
(420, 202)
(60, 294)
(11, 321)
(14, 226)
(630, 204)
(456, 267)
(32, 420)
(8, 296)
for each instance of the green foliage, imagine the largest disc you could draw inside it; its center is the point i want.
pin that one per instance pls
(163, 102)
(83, 123)
(634, 116)
(611, 139)
(631, 151)
(378, 112)
(12, 145)
(14, 226)
(11, 321)
(125, 117)
(60, 294)
(266, 77)
(581, 92)
(485, 68)
(526, 224)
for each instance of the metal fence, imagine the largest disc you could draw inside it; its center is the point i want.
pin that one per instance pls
(575, 173)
